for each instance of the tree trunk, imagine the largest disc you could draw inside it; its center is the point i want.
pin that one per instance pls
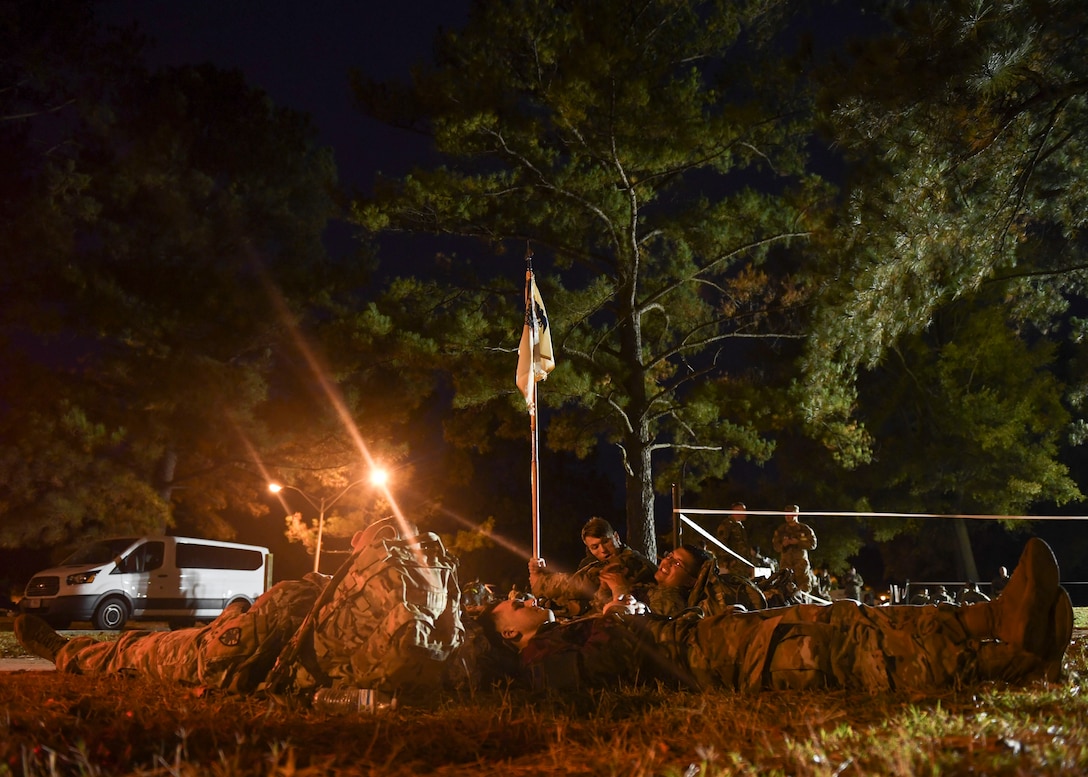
(641, 529)
(164, 478)
(967, 555)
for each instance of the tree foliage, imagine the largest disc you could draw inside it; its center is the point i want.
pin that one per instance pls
(648, 150)
(958, 261)
(152, 223)
(965, 127)
(968, 419)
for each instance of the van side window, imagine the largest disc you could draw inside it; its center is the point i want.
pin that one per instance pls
(145, 558)
(153, 555)
(193, 556)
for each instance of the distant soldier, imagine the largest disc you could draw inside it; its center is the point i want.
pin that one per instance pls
(852, 584)
(972, 594)
(734, 536)
(941, 596)
(1001, 579)
(793, 540)
(924, 596)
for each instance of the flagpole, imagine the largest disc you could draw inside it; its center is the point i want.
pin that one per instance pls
(534, 438)
(536, 358)
(534, 473)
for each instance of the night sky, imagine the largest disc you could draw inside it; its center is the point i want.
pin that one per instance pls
(300, 52)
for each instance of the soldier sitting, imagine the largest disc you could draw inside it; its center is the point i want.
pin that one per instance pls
(582, 592)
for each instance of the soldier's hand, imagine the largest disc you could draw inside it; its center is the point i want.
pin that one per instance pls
(613, 576)
(536, 564)
(627, 605)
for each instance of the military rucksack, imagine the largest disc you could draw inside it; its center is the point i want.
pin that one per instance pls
(388, 620)
(716, 592)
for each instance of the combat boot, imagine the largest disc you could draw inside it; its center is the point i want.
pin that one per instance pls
(1060, 632)
(1021, 616)
(37, 637)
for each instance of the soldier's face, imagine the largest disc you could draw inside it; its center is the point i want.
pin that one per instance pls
(602, 548)
(515, 618)
(675, 570)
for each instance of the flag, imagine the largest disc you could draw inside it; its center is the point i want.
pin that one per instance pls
(535, 355)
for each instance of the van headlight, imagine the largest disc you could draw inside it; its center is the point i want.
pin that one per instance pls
(81, 577)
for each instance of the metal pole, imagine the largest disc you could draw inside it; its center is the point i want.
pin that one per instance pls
(534, 472)
(320, 531)
(675, 515)
(534, 440)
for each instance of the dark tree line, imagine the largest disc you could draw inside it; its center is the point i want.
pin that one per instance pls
(781, 267)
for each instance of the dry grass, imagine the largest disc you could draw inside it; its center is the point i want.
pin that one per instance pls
(111, 725)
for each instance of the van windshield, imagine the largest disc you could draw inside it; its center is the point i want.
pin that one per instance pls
(101, 552)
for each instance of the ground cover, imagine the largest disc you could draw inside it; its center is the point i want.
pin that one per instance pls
(53, 724)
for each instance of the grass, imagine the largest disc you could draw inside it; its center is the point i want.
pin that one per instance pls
(54, 724)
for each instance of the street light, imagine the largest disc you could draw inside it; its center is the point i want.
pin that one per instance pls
(321, 506)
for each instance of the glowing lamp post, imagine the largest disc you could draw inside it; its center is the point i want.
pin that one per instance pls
(325, 503)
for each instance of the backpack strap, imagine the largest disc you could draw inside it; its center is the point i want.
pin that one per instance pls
(280, 676)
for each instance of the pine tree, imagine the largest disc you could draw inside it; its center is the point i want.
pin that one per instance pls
(650, 155)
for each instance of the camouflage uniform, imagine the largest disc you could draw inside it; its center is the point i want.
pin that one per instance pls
(842, 645)
(793, 541)
(734, 536)
(235, 651)
(388, 620)
(582, 592)
(851, 585)
(712, 593)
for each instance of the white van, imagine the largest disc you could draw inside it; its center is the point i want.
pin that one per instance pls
(175, 579)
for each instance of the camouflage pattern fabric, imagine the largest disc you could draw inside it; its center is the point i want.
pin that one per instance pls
(716, 593)
(734, 536)
(712, 593)
(233, 652)
(779, 589)
(583, 592)
(793, 541)
(661, 599)
(592, 652)
(842, 645)
(390, 624)
(388, 620)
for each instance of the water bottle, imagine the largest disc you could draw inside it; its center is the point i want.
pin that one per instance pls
(346, 700)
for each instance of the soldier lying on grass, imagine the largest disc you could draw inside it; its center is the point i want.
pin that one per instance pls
(1020, 637)
(351, 631)
(388, 620)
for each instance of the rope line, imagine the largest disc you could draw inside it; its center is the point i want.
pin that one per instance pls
(850, 514)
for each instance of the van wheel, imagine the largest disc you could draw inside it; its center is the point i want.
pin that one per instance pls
(110, 615)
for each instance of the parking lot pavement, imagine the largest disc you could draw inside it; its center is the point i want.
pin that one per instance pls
(23, 663)
(27, 664)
